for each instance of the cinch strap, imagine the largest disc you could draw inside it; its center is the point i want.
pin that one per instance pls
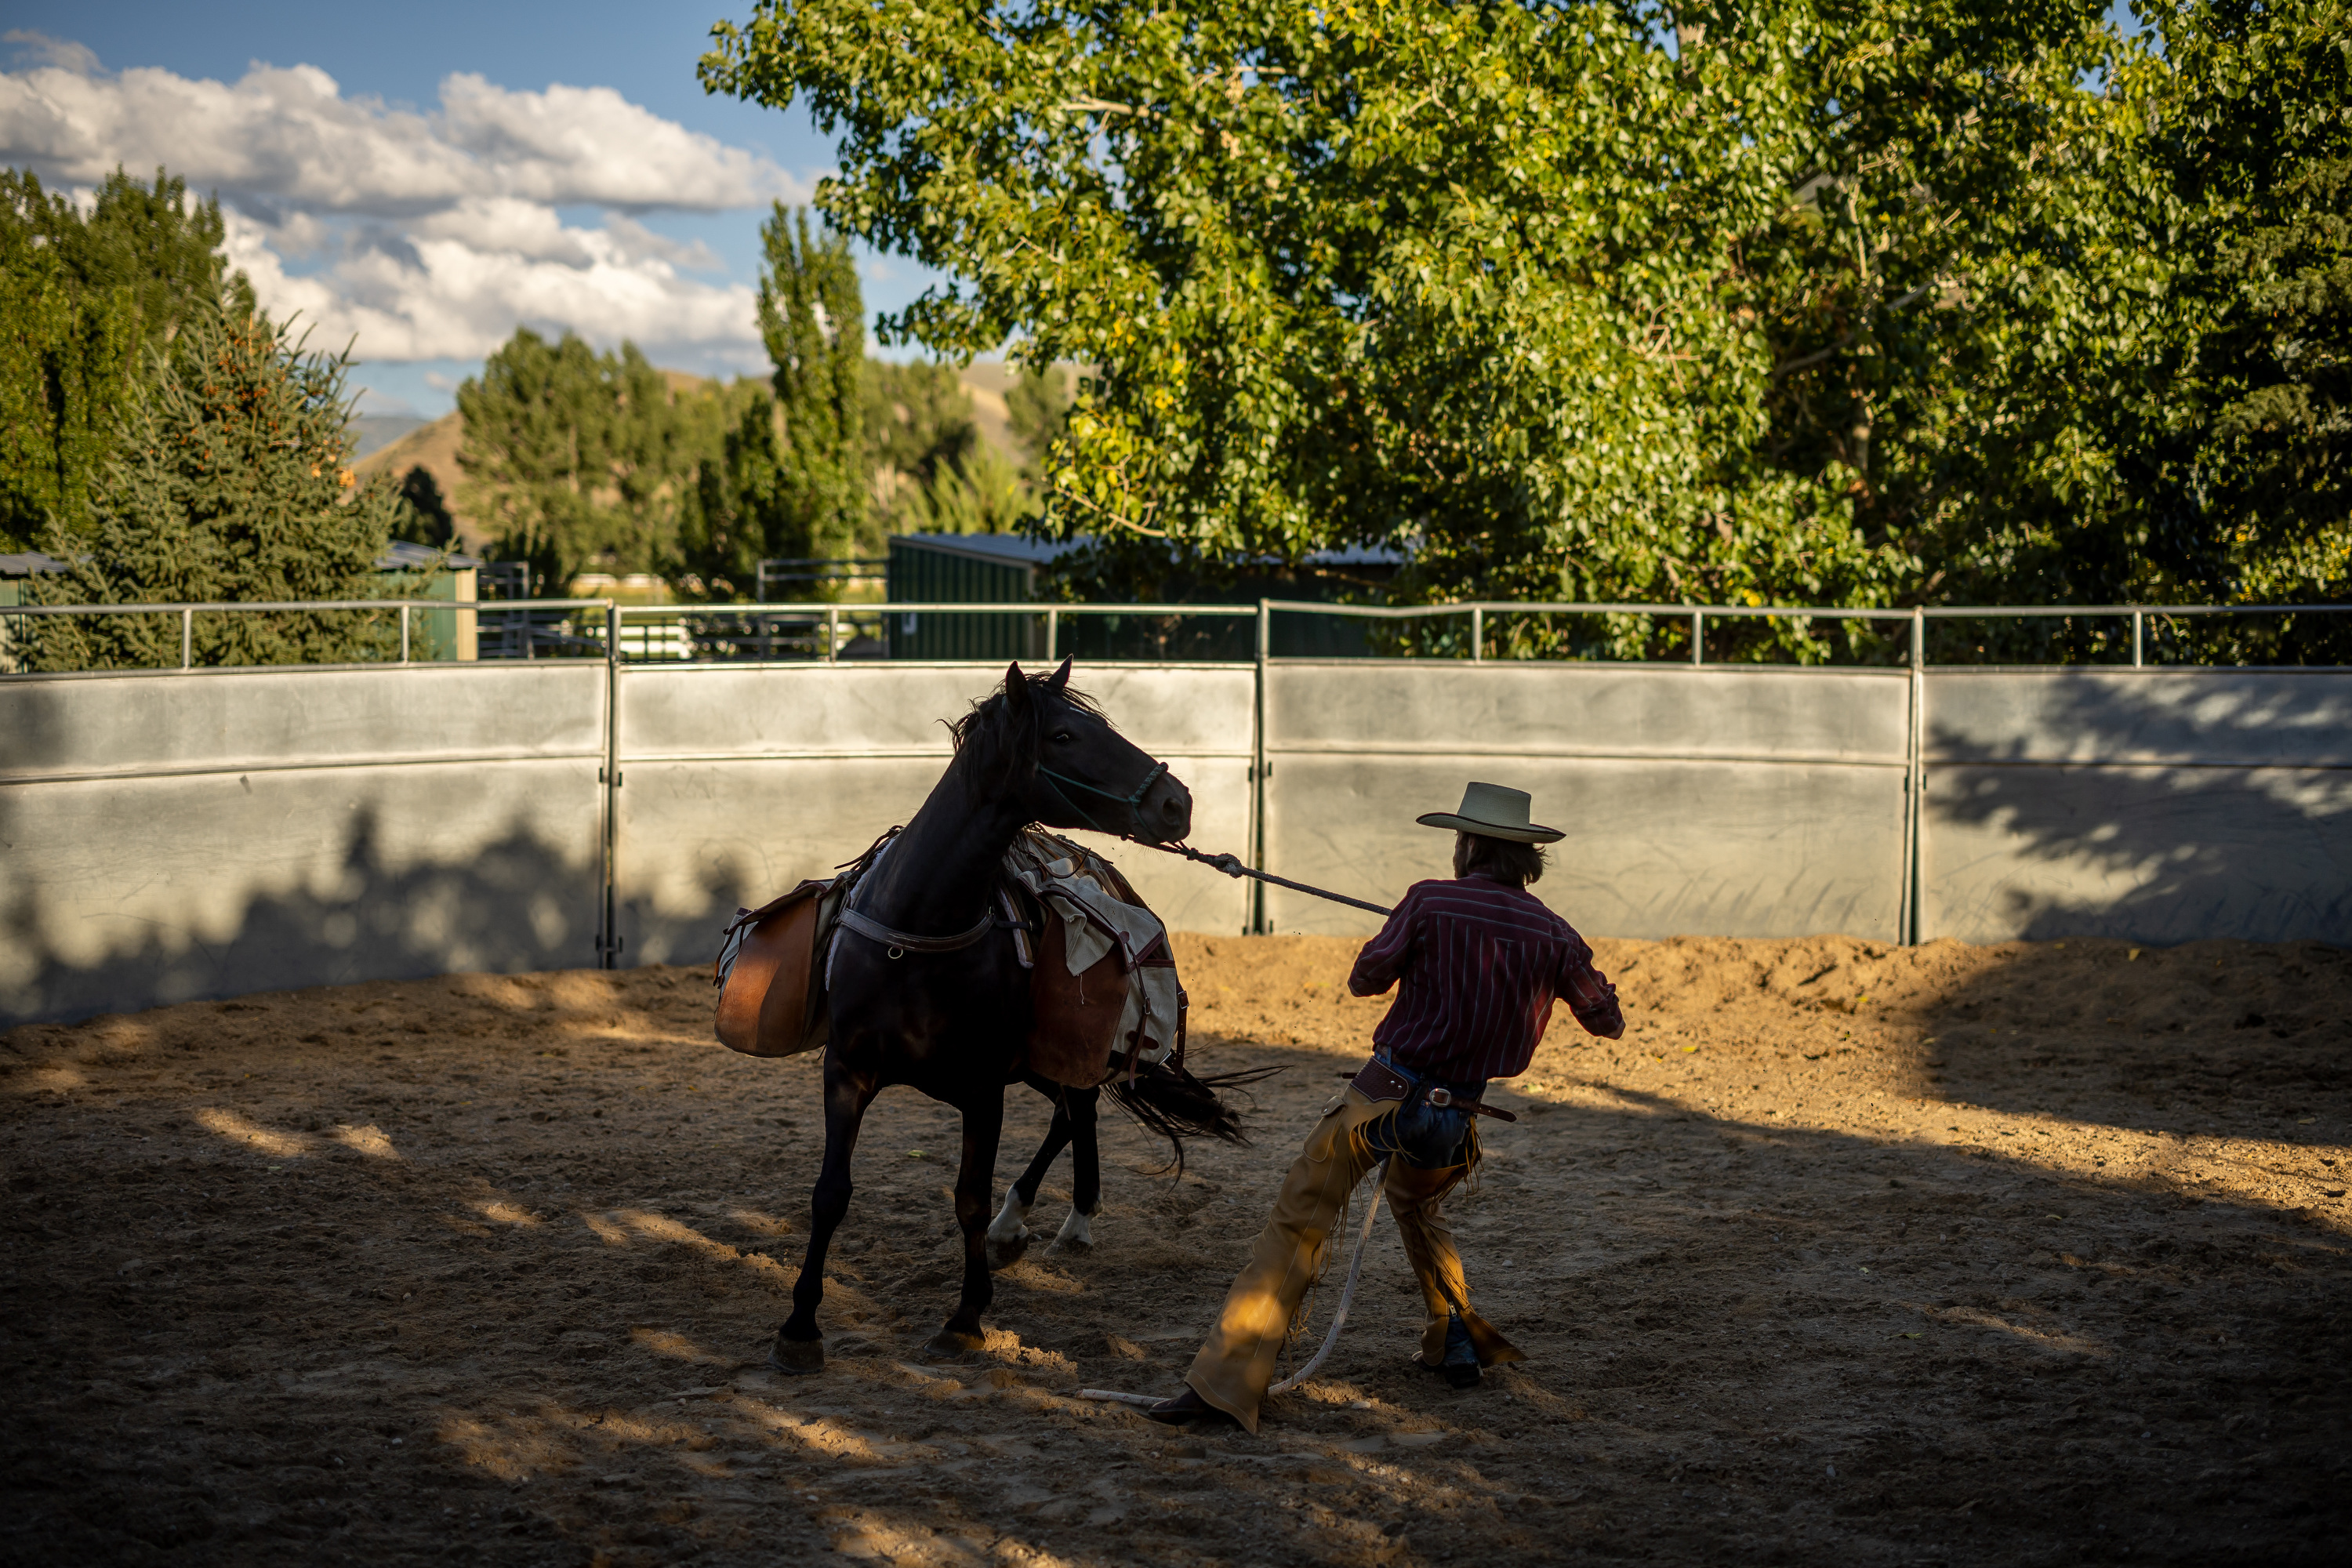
(901, 942)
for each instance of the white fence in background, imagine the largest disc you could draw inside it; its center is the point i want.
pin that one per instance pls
(173, 835)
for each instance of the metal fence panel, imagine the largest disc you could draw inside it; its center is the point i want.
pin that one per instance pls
(1751, 802)
(177, 836)
(2154, 805)
(1534, 708)
(738, 782)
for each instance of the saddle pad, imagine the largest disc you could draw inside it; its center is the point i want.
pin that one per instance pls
(770, 1001)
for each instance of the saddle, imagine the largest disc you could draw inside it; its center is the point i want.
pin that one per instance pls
(771, 966)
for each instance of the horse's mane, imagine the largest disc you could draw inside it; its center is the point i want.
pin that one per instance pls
(1001, 752)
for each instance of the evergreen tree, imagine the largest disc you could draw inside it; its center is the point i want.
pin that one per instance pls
(78, 297)
(232, 483)
(433, 525)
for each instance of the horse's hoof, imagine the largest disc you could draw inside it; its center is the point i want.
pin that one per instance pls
(1071, 1244)
(796, 1358)
(951, 1344)
(1004, 1254)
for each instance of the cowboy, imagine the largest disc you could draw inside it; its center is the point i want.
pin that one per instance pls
(1477, 962)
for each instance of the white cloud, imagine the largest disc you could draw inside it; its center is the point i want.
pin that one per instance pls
(429, 234)
(289, 135)
(455, 285)
(42, 49)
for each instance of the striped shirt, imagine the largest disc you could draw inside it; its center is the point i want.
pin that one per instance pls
(1480, 964)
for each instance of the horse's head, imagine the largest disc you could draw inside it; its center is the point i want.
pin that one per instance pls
(1048, 747)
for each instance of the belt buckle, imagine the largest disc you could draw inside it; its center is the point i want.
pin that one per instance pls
(1438, 1096)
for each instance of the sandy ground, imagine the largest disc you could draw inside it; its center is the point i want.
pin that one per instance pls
(1845, 1254)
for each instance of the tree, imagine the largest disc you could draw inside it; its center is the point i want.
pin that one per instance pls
(232, 483)
(1794, 301)
(2243, 459)
(575, 457)
(1039, 410)
(734, 517)
(79, 296)
(794, 476)
(812, 318)
(434, 525)
(918, 426)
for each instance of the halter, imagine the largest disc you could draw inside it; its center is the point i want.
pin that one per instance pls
(1132, 800)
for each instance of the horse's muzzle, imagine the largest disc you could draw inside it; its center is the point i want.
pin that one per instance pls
(1164, 814)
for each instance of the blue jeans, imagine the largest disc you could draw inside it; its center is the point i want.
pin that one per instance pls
(1431, 1137)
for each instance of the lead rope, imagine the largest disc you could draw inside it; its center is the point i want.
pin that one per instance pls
(1330, 1335)
(1347, 1292)
(1231, 865)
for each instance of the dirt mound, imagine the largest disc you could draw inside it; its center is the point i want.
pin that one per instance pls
(1845, 1252)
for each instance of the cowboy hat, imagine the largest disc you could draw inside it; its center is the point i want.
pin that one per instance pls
(1496, 813)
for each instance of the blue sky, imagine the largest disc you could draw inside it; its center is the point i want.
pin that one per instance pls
(380, 206)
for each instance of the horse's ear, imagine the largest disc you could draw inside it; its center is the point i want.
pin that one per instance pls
(1016, 690)
(1059, 679)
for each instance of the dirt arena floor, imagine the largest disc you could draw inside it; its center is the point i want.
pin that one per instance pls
(1845, 1254)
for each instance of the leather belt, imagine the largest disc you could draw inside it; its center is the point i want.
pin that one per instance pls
(900, 943)
(1379, 1081)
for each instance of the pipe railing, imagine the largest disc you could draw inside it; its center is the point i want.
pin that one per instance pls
(834, 616)
(188, 612)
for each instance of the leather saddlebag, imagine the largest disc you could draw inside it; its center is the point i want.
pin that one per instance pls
(1075, 1016)
(771, 993)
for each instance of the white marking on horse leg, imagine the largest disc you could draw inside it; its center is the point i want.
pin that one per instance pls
(1007, 1227)
(1077, 1234)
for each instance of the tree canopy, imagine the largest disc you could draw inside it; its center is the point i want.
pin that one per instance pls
(1860, 303)
(231, 482)
(81, 296)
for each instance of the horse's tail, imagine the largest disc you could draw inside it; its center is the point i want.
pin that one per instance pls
(1165, 1099)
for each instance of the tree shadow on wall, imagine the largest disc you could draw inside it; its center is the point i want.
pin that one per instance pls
(2152, 853)
(509, 905)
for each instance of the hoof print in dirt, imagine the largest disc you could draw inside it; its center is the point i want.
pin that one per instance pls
(949, 1345)
(797, 1358)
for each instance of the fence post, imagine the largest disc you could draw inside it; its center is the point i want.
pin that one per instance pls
(1915, 784)
(403, 633)
(2138, 650)
(1699, 637)
(1052, 633)
(831, 634)
(1477, 633)
(187, 637)
(1258, 923)
(608, 935)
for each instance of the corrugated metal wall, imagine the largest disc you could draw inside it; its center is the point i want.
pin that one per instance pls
(920, 575)
(172, 836)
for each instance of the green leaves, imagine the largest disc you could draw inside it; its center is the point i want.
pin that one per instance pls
(83, 295)
(231, 481)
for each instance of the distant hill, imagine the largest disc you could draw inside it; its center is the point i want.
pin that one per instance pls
(377, 431)
(435, 447)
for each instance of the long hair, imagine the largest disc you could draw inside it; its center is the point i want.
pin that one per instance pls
(1505, 860)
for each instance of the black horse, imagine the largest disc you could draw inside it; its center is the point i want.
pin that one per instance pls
(926, 987)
